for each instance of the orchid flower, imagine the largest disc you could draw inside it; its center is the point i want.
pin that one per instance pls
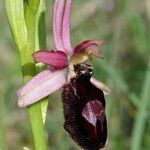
(60, 70)
(58, 60)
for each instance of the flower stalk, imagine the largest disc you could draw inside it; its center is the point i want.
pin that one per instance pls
(3, 125)
(26, 19)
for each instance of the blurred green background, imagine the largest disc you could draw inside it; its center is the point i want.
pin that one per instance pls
(125, 27)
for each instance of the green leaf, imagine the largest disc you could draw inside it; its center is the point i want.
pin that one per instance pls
(40, 43)
(24, 19)
(140, 120)
(33, 5)
(15, 14)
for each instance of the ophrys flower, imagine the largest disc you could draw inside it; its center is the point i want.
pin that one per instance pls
(58, 60)
(70, 67)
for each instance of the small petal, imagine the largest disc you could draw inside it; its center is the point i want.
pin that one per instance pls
(57, 24)
(40, 86)
(66, 28)
(56, 59)
(93, 111)
(89, 46)
(100, 86)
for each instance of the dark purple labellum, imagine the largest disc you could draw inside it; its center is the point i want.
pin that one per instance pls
(84, 110)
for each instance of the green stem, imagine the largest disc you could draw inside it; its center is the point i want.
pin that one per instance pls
(140, 120)
(24, 19)
(3, 144)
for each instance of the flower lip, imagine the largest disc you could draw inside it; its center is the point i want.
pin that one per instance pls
(93, 111)
(83, 70)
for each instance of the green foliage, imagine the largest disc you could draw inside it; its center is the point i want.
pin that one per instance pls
(24, 17)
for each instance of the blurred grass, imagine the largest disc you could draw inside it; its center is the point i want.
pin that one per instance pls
(125, 27)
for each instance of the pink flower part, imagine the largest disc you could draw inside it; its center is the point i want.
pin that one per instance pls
(61, 25)
(91, 46)
(40, 86)
(93, 111)
(66, 27)
(100, 86)
(58, 10)
(56, 59)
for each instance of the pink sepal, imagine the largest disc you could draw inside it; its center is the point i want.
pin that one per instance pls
(40, 86)
(56, 59)
(61, 25)
(58, 10)
(66, 27)
(93, 111)
(100, 86)
(90, 46)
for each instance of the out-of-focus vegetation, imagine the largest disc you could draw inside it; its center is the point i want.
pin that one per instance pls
(125, 27)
